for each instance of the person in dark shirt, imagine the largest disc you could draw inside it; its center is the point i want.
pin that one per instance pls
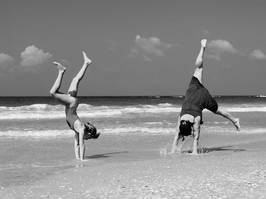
(83, 131)
(197, 98)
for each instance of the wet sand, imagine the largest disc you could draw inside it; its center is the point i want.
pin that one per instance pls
(135, 167)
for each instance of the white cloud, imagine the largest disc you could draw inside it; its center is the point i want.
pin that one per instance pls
(218, 47)
(4, 58)
(32, 57)
(147, 47)
(6, 63)
(221, 46)
(258, 54)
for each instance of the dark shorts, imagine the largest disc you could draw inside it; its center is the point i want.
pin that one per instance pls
(197, 98)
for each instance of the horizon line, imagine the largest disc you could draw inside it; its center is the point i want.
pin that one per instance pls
(135, 96)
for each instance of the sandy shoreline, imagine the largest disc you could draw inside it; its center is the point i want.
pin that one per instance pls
(221, 172)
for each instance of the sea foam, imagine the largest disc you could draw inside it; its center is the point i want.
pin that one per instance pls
(45, 111)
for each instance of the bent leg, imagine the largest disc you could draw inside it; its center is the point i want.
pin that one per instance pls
(62, 98)
(199, 61)
(75, 82)
(227, 115)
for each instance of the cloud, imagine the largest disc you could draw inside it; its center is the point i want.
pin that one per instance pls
(221, 46)
(218, 47)
(31, 57)
(147, 47)
(6, 63)
(258, 54)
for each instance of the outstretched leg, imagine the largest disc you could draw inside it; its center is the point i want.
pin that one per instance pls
(199, 61)
(62, 98)
(228, 116)
(75, 82)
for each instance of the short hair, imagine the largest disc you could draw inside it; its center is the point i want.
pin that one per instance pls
(185, 127)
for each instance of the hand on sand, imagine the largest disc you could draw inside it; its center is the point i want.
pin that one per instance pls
(59, 66)
(204, 43)
(86, 59)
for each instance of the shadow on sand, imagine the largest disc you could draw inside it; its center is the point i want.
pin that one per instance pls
(104, 155)
(232, 148)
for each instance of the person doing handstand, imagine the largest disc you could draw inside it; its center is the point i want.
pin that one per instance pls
(83, 131)
(196, 99)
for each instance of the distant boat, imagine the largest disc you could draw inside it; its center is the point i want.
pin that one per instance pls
(262, 96)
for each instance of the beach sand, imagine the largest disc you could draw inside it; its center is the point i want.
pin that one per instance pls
(130, 166)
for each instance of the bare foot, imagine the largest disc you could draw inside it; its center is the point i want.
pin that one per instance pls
(86, 59)
(237, 124)
(59, 66)
(204, 43)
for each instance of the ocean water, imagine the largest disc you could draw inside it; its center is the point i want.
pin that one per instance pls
(43, 117)
(35, 140)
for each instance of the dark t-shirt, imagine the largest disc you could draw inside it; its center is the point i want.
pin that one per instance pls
(197, 98)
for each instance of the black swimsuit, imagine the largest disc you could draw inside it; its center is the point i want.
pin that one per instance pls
(197, 98)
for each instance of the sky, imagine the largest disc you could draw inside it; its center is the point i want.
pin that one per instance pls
(137, 47)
